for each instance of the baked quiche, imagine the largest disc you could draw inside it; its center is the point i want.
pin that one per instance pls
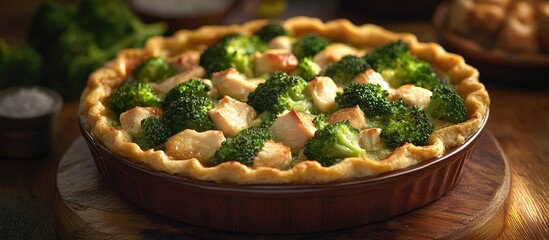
(298, 101)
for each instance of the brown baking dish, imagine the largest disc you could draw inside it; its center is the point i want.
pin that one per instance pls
(282, 208)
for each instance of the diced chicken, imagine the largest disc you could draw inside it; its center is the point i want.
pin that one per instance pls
(370, 139)
(187, 60)
(281, 42)
(371, 76)
(231, 82)
(274, 60)
(354, 115)
(332, 54)
(323, 91)
(131, 119)
(293, 129)
(232, 116)
(192, 144)
(411, 95)
(274, 155)
(166, 85)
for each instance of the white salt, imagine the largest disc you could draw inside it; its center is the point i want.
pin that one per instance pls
(25, 103)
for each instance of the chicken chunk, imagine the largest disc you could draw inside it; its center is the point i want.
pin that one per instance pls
(354, 115)
(232, 116)
(371, 76)
(187, 60)
(230, 82)
(370, 139)
(412, 95)
(281, 42)
(274, 155)
(192, 144)
(323, 91)
(293, 129)
(332, 54)
(131, 119)
(163, 87)
(274, 60)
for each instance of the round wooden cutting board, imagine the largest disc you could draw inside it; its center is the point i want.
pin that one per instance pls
(85, 207)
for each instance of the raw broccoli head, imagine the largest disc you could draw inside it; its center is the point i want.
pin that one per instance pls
(154, 69)
(154, 132)
(406, 124)
(394, 62)
(344, 71)
(309, 45)
(190, 112)
(446, 105)
(232, 51)
(47, 23)
(270, 31)
(130, 95)
(19, 66)
(307, 69)
(243, 147)
(333, 143)
(371, 98)
(193, 87)
(279, 93)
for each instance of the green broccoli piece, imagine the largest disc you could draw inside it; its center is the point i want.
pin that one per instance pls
(307, 69)
(243, 147)
(333, 143)
(232, 51)
(154, 69)
(130, 95)
(279, 93)
(320, 121)
(190, 112)
(344, 71)
(371, 98)
(394, 62)
(309, 45)
(270, 31)
(406, 124)
(446, 105)
(154, 133)
(193, 87)
(19, 66)
(47, 24)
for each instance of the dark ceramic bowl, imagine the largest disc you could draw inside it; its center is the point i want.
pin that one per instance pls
(527, 70)
(281, 208)
(29, 137)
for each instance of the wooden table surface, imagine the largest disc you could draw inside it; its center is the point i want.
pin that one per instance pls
(519, 119)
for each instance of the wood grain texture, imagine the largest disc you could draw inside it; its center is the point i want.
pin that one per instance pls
(476, 207)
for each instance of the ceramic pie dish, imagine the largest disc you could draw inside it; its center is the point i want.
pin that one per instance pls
(305, 197)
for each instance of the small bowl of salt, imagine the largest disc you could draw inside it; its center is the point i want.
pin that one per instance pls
(27, 121)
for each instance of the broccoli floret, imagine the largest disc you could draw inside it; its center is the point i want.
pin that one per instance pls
(320, 121)
(130, 95)
(394, 62)
(307, 69)
(333, 143)
(344, 71)
(243, 147)
(406, 124)
(279, 93)
(232, 51)
(446, 105)
(270, 31)
(189, 112)
(19, 66)
(154, 69)
(47, 24)
(193, 87)
(154, 132)
(309, 45)
(371, 98)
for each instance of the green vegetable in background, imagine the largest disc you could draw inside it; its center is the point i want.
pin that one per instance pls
(270, 31)
(19, 66)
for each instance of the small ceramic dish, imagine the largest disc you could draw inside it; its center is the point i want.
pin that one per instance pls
(281, 208)
(27, 119)
(530, 70)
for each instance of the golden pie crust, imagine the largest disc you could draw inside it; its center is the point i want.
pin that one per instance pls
(106, 79)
